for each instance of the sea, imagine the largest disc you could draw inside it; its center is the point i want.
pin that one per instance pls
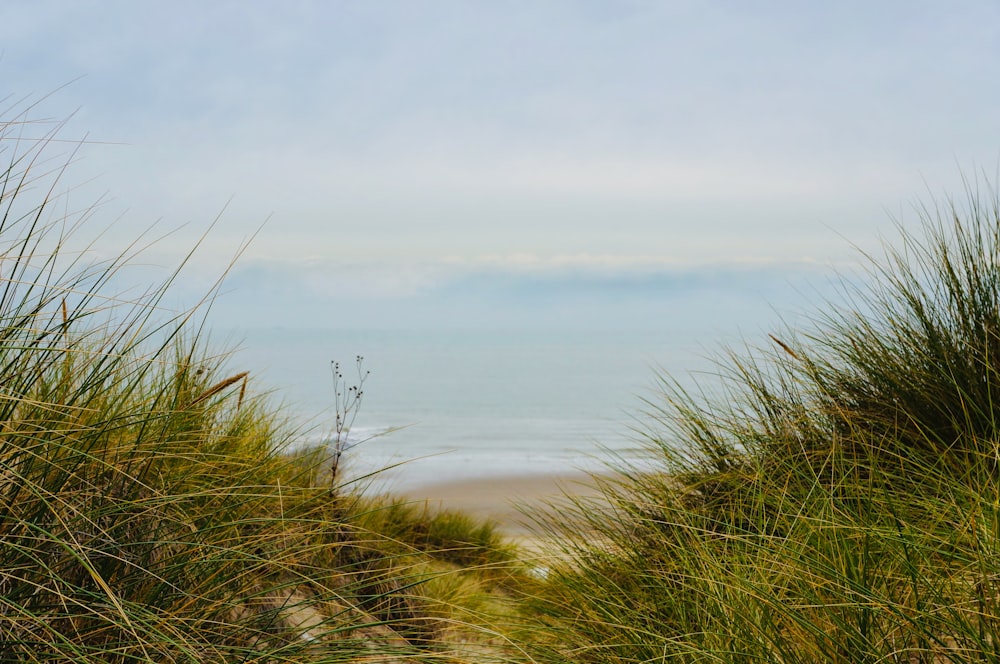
(457, 402)
(441, 405)
(448, 404)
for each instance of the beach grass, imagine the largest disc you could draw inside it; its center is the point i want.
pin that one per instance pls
(840, 503)
(154, 506)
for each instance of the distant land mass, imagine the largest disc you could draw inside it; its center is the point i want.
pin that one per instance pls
(265, 294)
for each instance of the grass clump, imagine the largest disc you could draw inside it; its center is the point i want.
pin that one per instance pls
(152, 508)
(449, 536)
(841, 503)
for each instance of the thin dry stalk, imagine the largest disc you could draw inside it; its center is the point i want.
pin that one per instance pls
(221, 385)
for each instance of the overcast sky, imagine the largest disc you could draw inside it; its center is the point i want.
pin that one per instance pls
(402, 141)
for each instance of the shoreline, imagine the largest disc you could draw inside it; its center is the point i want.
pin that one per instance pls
(503, 498)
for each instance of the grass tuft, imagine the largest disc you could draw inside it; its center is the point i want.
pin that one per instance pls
(840, 503)
(150, 513)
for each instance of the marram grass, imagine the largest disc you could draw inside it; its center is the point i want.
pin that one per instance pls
(841, 504)
(151, 508)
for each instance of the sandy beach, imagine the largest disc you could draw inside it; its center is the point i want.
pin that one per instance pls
(504, 498)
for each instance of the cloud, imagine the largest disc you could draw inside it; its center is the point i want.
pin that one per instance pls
(405, 133)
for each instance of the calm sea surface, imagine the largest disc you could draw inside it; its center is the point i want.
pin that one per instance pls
(525, 377)
(459, 404)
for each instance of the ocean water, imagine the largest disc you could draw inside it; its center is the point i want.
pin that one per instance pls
(452, 404)
(503, 387)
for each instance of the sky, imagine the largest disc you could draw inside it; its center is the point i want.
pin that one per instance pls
(386, 155)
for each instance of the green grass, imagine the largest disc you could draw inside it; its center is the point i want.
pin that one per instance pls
(841, 503)
(152, 506)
